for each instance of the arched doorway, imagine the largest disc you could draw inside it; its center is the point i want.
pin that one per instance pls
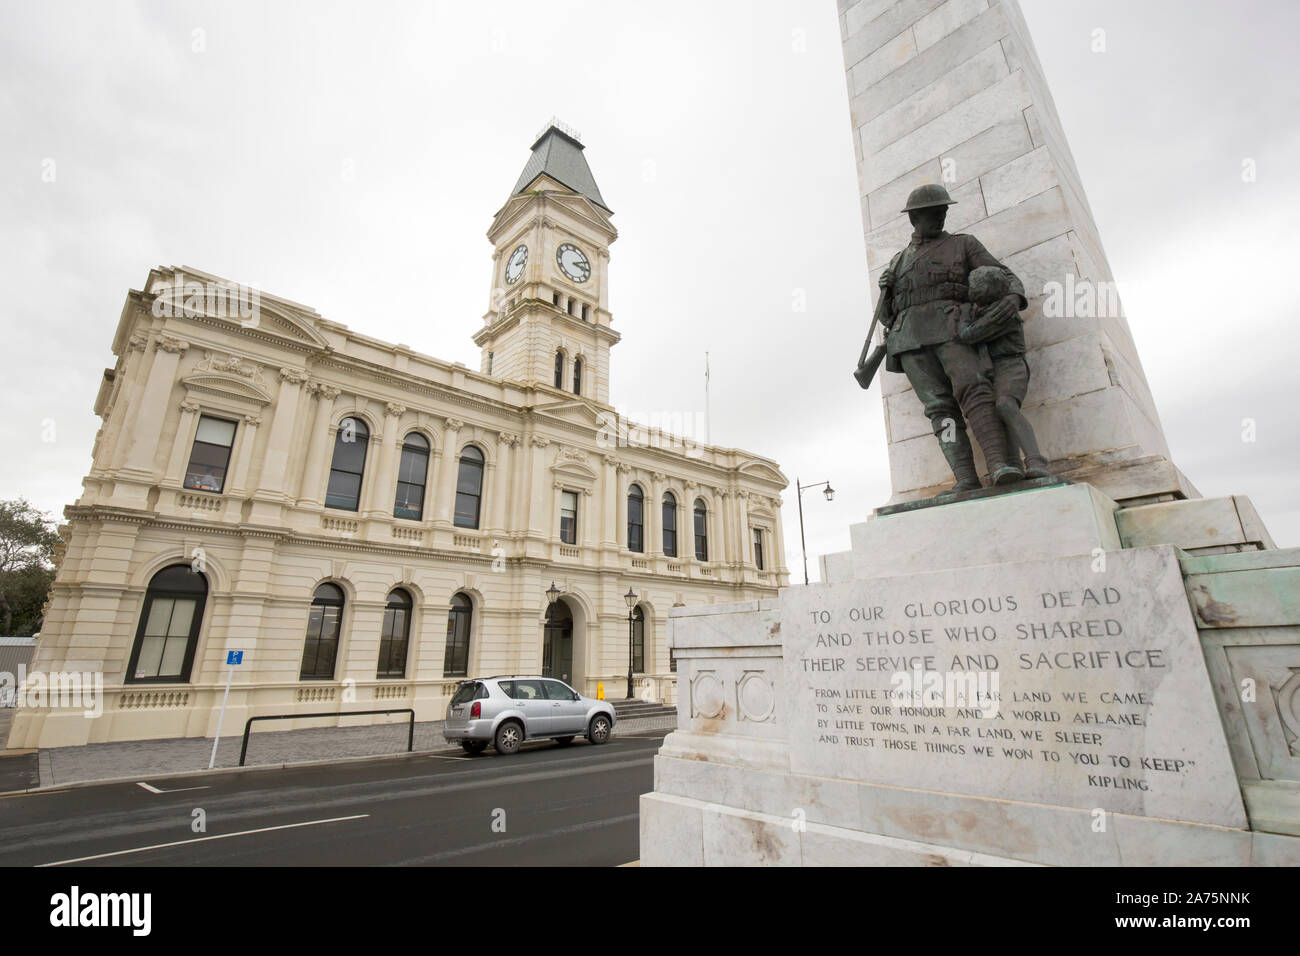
(557, 643)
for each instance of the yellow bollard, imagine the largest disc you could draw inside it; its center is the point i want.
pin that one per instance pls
(600, 690)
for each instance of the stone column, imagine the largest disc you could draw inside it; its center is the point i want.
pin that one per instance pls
(537, 516)
(609, 527)
(654, 515)
(182, 445)
(586, 518)
(242, 456)
(498, 516)
(127, 405)
(953, 94)
(383, 484)
(274, 480)
(314, 476)
(444, 501)
(778, 540)
(142, 440)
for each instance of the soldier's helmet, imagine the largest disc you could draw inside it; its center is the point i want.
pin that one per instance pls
(931, 194)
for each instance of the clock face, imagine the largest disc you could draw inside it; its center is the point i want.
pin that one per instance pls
(573, 263)
(515, 267)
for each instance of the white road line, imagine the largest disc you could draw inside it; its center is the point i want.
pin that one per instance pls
(177, 790)
(219, 836)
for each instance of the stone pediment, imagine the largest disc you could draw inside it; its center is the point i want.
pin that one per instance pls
(192, 293)
(763, 471)
(226, 385)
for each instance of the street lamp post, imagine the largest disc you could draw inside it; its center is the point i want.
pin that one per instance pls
(830, 496)
(631, 599)
(552, 595)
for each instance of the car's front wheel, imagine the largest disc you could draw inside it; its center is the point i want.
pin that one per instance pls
(598, 729)
(508, 738)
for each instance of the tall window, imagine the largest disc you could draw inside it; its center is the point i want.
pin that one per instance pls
(701, 531)
(569, 517)
(169, 626)
(411, 473)
(670, 524)
(758, 549)
(469, 487)
(394, 636)
(577, 376)
(455, 662)
(638, 641)
(559, 369)
(344, 489)
(211, 455)
(635, 519)
(322, 645)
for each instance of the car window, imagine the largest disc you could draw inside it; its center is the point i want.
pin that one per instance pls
(555, 690)
(466, 692)
(528, 690)
(507, 687)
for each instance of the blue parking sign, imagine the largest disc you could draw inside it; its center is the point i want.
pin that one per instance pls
(234, 657)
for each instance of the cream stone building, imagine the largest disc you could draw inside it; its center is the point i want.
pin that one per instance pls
(369, 524)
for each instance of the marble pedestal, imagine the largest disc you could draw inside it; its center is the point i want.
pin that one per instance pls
(1089, 712)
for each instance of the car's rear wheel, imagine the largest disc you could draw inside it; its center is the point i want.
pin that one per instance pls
(564, 741)
(474, 746)
(508, 738)
(598, 729)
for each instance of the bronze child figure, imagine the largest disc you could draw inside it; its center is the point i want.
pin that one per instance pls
(1002, 339)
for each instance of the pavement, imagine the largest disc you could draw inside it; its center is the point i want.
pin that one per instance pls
(60, 766)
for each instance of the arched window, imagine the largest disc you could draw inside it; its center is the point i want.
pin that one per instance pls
(635, 519)
(577, 376)
(411, 474)
(394, 636)
(321, 648)
(701, 531)
(469, 487)
(638, 641)
(169, 626)
(455, 661)
(344, 490)
(559, 369)
(670, 524)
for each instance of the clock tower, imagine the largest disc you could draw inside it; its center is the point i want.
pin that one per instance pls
(548, 320)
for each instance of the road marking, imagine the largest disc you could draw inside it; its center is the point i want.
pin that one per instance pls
(516, 841)
(177, 790)
(219, 836)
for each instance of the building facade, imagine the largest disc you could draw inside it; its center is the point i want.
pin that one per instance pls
(369, 524)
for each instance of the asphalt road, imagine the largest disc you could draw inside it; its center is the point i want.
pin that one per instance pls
(546, 805)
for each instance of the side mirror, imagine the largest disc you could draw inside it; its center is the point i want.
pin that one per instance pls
(577, 696)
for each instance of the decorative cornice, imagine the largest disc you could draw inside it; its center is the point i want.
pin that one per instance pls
(294, 376)
(454, 424)
(136, 343)
(507, 438)
(395, 410)
(538, 441)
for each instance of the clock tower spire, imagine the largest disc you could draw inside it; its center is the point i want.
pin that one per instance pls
(548, 320)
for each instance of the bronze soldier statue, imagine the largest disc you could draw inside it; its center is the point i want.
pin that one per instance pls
(922, 292)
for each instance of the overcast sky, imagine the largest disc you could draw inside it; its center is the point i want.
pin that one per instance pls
(350, 156)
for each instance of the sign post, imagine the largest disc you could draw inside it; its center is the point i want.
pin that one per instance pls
(234, 659)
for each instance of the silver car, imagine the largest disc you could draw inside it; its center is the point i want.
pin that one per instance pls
(506, 711)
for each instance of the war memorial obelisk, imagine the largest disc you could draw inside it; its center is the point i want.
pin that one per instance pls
(1093, 667)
